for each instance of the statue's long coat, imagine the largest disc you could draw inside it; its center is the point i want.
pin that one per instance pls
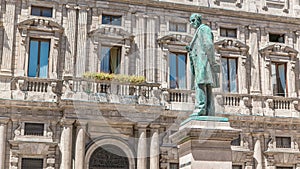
(202, 57)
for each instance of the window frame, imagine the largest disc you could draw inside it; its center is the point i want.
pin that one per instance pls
(186, 67)
(176, 25)
(228, 29)
(39, 55)
(119, 59)
(278, 79)
(41, 11)
(283, 35)
(228, 72)
(43, 130)
(33, 158)
(111, 18)
(282, 146)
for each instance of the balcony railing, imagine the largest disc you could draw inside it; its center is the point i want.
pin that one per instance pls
(38, 89)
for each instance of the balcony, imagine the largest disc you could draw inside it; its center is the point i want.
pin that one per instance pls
(82, 89)
(35, 89)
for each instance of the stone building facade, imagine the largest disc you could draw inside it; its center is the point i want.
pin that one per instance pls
(51, 117)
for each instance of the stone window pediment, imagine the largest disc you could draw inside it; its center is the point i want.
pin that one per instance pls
(41, 24)
(231, 45)
(175, 39)
(112, 32)
(279, 50)
(174, 42)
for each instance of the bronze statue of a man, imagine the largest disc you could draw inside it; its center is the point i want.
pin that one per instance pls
(203, 66)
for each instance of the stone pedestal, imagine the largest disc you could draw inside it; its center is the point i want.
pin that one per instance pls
(205, 144)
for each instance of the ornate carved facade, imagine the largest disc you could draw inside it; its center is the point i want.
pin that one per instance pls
(51, 115)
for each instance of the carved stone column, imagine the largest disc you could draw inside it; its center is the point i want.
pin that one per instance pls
(253, 51)
(80, 147)
(151, 49)
(154, 151)
(142, 147)
(3, 128)
(140, 58)
(7, 53)
(81, 41)
(70, 40)
(257, 154)
(66, 145)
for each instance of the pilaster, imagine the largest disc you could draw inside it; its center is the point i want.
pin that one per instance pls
(66, 144)
(3, 128)
(80, 145)
(151, 49)
(70, 33)
(253, 51)
(81, 40)
(142, 146)
(8, 39)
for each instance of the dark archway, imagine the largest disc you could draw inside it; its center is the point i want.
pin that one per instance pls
(108, 157)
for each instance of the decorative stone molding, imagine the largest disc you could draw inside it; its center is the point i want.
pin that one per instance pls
(40, 24)
(279, 50)
(113, 32)
(232, 45)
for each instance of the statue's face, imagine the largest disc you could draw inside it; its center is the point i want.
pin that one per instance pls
(195, 20)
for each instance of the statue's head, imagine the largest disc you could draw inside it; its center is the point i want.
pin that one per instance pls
(195, 20)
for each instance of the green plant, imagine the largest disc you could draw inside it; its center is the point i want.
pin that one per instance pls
(115, 77)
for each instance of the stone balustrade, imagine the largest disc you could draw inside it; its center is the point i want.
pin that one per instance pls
(35, 89)
(38, 89)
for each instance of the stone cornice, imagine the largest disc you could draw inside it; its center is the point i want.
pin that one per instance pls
(181, 39)
(112, 31)
(280, 50)
(41, 24)
(232, 45)
(211, 11)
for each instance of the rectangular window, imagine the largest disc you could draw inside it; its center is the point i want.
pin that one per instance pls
(112, 20)
(177, 27)
(229, 75)
(278, 76)
(237, 167)
(177, 63)
(110, 59)
(34, 129)
(236, 142)
(283, 142)
(38, 58)
(41, 11)
(279, 38)
(228, 32)
(174, 166)
(32, 163)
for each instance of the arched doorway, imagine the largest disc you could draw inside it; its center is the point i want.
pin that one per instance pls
(108, 157)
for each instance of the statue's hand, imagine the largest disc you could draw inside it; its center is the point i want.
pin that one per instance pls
(188, 48)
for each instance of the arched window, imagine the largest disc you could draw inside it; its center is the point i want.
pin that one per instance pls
(108, 157)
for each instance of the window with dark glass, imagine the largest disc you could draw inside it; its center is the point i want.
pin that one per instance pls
(236, 142)
(284, 167)
(237, 167)
(229, 75)
(177, 63)
(38, 58)
(110, 59)
(112, 20)
(174, 166)
(228, 32)
(32, 163)
(177, 27)
(283, 142)
(34, 129)
(279, 38)
(278, 76)
(41, 11)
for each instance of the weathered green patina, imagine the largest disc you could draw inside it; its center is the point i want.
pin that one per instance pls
(203, 66)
